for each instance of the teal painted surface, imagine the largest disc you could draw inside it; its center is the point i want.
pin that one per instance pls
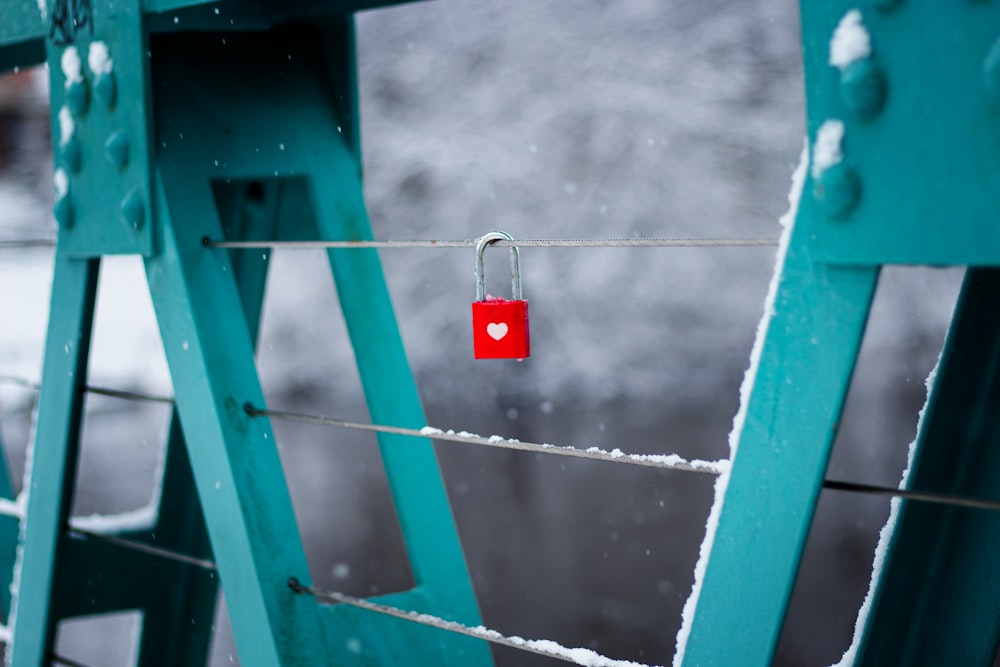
(101, 132)
(926, 158)
(308, 137)
(21, 54)
(805, 367)
(913, 182)
(422, 505)
(236, 466)
(938, 601)
(9, 528)
(54, 459)
(243, 15)
(22, 31)
(178, 617)
(247, 146)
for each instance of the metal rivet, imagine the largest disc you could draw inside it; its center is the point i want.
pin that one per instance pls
(63, 211)
(837, 190)
(63, 208)
(72, 155)
(116, 149)
(133, 210)
(863, 87)
(991, 74)
(106, 89)
(78, 98)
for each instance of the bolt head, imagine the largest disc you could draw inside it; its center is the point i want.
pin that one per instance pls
(133, 210)
(106, 89)
(72, 155)
(78, 98)
(63, 211)
(837, 190)
(116, 149)
(863, 87)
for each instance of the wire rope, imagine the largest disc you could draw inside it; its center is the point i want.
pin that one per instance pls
(662, 461)
(545, 647)
(519, 243)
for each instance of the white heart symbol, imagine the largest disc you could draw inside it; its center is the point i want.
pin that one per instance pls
(496, 331)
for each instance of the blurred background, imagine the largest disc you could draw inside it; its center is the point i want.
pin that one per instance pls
(547, 119)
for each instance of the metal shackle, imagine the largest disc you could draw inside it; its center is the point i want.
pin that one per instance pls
(515, 265)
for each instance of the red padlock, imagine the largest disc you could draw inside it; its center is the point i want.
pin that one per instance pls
(499, 326)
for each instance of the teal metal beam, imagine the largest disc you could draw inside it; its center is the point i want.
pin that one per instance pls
(903, 101)
(9, 528)
(251, 143)
(805, 367)
(300, 129)
(178, 616)
(100, 119)
(53, 458)
(117, 579)
(938, 600)
(920, 108)
(22, 34)
(179, 607)
(236, 465)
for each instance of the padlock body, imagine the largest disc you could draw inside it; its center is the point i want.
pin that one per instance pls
(500, 329)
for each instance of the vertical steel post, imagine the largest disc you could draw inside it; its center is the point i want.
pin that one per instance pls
(53, 456)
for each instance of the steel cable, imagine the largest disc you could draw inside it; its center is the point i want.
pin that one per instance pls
(519, 243)
(662, 461)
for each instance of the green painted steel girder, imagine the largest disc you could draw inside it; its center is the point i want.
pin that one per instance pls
(222, 120)
(903, 118)
(26, 24)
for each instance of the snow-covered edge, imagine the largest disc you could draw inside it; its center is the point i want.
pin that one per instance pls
(885, 536)
(138, 519)
(850, 42)
(141, 518)
(98, 58)
(22, 501)
(72, 66)
(828, 150)
(66, 125)
(666, 460)
(579, 656)
(787, 222)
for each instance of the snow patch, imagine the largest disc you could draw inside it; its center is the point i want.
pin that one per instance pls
(61, 183)
(664, 460)
(827, 150)
(140, 519)
(72, 67)
(787, 222)
(98, 58)
(579, 656)
(851, 41)
(885, 536)
(42, 9)
(22, 501)
(66, 125)
(12, 508)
